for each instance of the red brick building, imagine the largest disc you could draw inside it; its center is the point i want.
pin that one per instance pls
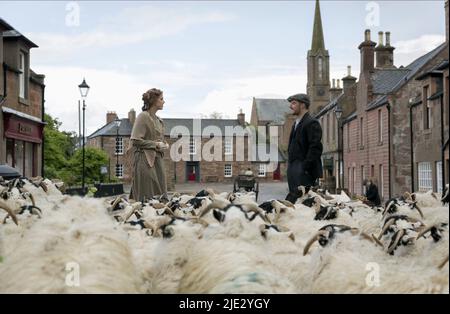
(21, 104)
(377, 137)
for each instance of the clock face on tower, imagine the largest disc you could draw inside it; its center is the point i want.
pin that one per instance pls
(320, 92)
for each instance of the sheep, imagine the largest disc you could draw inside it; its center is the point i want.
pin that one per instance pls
(395, 205)
(328, 232)
(81, 233)
(267, 229)
(9, 210)
(220, 211)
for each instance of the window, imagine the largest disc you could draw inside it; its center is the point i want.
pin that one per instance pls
(381, 181)
(320, 68)
(426, 108)
(425, 177)
(228, 171)
(10, 152)
(439, 176)
(29, 159)
(22, 76)
(349, 180)
(361, 132)
(380, 126)
(192, 146)
(18, 156)
(372, 171)
(228, 146)
(354, 179)
(119, 146)
(119, 170)
(262, 170)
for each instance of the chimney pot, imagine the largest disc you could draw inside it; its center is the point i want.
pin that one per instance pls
(380, 38)
(241, 118)
(132, 116)
(349, 70)
(388, 38)
(367, 35)
(338, 83)
(334, 83)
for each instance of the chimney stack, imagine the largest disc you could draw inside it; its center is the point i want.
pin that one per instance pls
(110, 117)
(349, 80)
(367, 48)
(335, 90)
(385, 53)
(132, 117)
(241, 118)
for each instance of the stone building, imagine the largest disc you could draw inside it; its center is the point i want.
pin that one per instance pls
(21, 104)
(377, 137)
(318, 63)
(343, 99)
(429, 116)
(202, 138)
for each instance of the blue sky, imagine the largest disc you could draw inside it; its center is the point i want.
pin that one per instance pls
(207, 56)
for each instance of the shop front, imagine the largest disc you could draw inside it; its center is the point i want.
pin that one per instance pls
(23, 137)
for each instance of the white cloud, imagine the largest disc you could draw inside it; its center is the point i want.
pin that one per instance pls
(132, 25)
(408, 50)
(110, 91)
(238, 93)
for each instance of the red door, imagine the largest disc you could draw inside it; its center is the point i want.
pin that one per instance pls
(277, 173)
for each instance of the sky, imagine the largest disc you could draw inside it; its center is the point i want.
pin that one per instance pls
(207, 56)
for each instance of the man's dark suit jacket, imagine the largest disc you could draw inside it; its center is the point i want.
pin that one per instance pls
(305, 145)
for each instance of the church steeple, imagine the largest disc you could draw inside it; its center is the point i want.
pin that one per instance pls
(318, 87)
(317, 40)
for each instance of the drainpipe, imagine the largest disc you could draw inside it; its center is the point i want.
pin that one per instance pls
(411, 135)
(441, 98)
(5, 92)
(43, 119)
(389, 148)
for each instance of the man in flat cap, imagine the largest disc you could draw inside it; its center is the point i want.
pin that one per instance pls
(305, 148)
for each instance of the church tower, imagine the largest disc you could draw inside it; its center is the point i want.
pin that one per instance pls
(318, 87)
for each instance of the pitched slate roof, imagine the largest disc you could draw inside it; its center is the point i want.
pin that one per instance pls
(272, 109)
(181, 126)
(383, 80)
(329, 106)
(386, 81)
(15, 34)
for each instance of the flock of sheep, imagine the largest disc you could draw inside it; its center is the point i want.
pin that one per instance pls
(220, 243)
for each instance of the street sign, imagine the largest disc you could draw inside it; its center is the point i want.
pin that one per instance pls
(104, 170)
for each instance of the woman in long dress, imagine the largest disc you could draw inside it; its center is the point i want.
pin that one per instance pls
(146, 149)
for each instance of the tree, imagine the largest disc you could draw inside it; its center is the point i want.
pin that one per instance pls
(58, 148)
(216, 115)
(94, 159)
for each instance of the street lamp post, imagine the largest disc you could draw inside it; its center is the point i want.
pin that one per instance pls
(84, 90)
(117, 122)
(338, 113)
